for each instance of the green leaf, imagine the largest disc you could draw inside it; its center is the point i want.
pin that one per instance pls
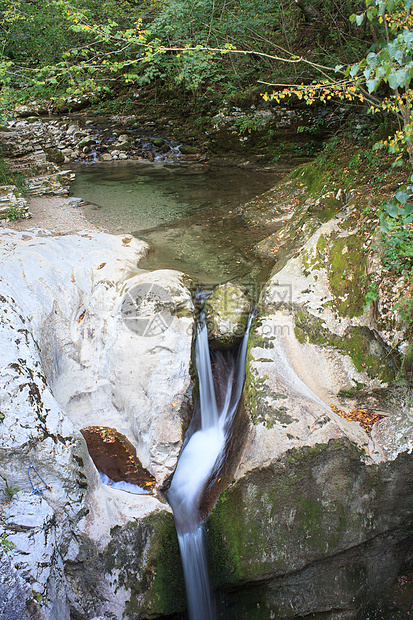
(408, 208)
(402, 196)
(372, 85)
(392, 209)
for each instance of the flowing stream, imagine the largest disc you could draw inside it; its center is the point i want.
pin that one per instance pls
(190, 222)
(200, 457)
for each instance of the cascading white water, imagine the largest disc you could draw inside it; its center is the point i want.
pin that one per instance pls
(199, 458)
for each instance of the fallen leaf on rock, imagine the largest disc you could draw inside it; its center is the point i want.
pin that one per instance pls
(81, 317)
(366, 418)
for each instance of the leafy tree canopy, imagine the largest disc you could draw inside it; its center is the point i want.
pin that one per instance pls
(315, 50)
(50, 47)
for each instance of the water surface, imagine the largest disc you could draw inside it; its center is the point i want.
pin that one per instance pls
(186, 215)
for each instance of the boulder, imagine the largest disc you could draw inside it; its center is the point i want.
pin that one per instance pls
(226, 311)
(72, 129)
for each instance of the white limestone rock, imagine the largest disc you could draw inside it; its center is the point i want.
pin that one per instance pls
(68, 359)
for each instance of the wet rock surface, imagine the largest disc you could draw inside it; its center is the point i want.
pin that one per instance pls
(115, 456)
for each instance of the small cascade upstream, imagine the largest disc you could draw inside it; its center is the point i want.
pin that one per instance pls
(201, 456)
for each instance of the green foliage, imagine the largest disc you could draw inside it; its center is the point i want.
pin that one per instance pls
(371, 295)
(286, 150)
(389, 64)
(5, 544)
(398, 211)
(10, 491)
(313, 129)
(249, 123)
(397, 247)
(210, 48)
(37, 596)
(405, 309)
(13, 214)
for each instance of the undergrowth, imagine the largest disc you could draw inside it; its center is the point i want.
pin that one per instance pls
(8, 177)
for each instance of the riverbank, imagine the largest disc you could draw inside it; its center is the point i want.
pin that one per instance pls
(56, 214)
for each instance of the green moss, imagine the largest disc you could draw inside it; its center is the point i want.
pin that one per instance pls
(275, 414)
(330, 207)
(357, 342)
(309, 328)
(183, 311)
(358, 346)
(259, 340)
(297, 507)
(347, 275)
(255, 390)
(314, 261)
(167, 588)
(321, 245)
(228, 305)
(313, 176)
(144, 556)
(352, 392)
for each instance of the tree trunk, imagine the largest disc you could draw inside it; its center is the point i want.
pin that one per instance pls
(309, 10)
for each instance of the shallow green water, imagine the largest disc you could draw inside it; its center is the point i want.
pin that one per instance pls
(186, 216)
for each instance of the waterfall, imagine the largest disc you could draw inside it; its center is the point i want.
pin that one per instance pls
(202, 455)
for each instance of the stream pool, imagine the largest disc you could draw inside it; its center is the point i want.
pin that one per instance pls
(187, 216)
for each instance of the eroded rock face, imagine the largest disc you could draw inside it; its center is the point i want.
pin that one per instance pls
(316, 532)
(69, 360)
(115, 456)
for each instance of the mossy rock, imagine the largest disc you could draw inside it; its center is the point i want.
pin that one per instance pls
(144, 558)
(123, 146)
(325, 208)
(55, 155)
(188, 150)
(226, 311)
(367, 353)
(347, 274)
(301, 535)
